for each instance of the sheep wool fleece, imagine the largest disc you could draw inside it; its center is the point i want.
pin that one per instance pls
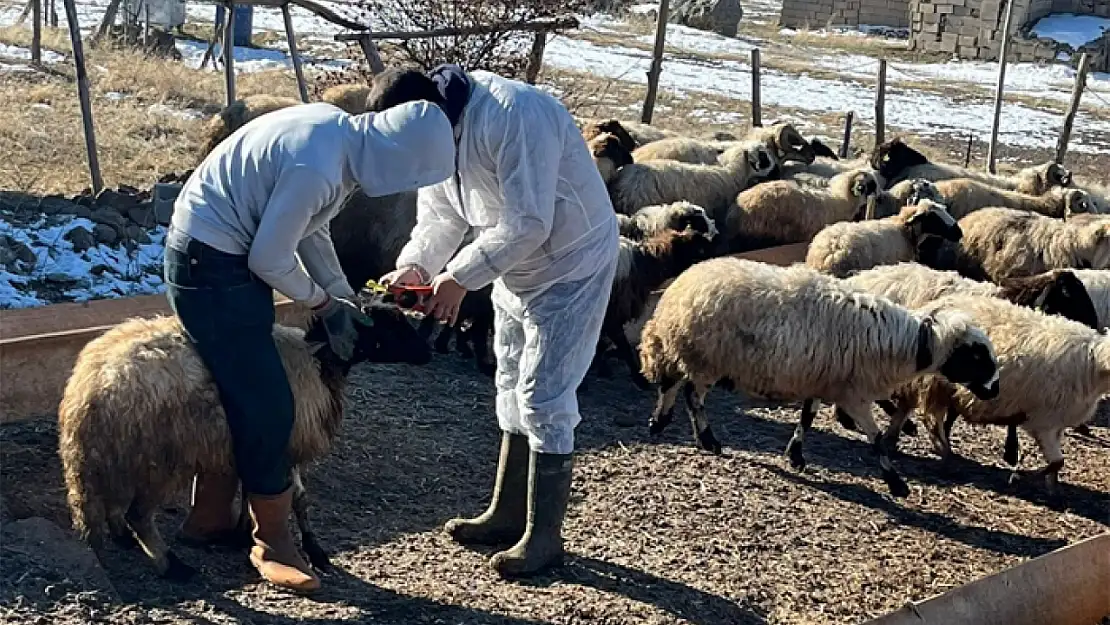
(547, 238)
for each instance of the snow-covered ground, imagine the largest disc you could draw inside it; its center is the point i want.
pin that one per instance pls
(99, 272)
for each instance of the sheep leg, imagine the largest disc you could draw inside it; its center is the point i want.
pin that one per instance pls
(695, 407)
(625, 351)
(463, 341)
(443, 339)
(426, 327)
(909, 428)
(1012, 449)
(938, 435)
(844, 420)
(861, 413)
(663, 414)
(119, 531)
(797, 441)
(140, 516)
(600, 364)
(301, 502)
(1049, 442)
(899, 416)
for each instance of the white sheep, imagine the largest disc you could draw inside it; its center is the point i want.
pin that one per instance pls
(1052, 373)
(793, 333)
(140, 416)
(712, 187)
(678, 216)
(781, 212)
(849, 246)
(964, 196)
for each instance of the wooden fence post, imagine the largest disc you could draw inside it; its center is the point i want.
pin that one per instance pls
(297, 69)
(83, 95)
(1073, 108)
(370, 49)
(535, 57)
(880, 105)
(229, 52)
(967, 154)
(757, 98)
(847, 134)
(992, 148)
(108, 20)
(36, 32)
(656, 62)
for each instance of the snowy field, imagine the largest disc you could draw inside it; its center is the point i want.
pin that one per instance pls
(950, 99)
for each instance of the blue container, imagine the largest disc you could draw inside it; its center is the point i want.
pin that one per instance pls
(244, 23)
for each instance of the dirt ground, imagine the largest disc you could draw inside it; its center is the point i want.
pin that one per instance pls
(657, 531)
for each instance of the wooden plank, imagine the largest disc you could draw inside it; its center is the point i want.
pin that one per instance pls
(757, 98)
(880, 105)
(539, 25)
(36, 32)
(302, 87)
(1068, 586)
(229, 52)
(992, 147)
(535, 58)
(40, 345)
(370, 50)
(1073, 108)
(656, 63)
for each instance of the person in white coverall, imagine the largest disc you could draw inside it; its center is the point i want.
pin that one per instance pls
(547, 238)
(260, 202)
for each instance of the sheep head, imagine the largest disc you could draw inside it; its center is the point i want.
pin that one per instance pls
(607, 147)
(613, 127)
(390, 338)
(1093, 240)
(1055, 292)
(687, 216)
(864, 188)
(820, 149)
(761, 162)
(970, 360)
(791, 145)
(1076, 202)
(1056, 175)
(922, 189)
(893, 157)
(930, 219)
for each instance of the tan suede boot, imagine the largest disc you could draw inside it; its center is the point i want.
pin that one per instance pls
(274, 553)
(212, 518)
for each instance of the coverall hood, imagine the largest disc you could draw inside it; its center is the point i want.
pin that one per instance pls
(402, 148)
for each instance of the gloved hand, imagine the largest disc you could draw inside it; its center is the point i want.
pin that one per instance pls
(339, 317)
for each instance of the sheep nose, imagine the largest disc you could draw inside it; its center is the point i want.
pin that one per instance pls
(986, 392)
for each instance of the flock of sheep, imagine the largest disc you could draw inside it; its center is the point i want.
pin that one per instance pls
(926, 287)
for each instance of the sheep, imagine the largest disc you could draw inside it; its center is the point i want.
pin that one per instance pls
(683, 150)
(820, 150)
(609, 155)
(781, 212)
(140, 415)
(472, 330)
(678, 216)
(712, 187)
(786, 143)
(913, 190)
(914, 285)
(793, 333)
(964, 196)
(349, 97)
(1002, 243)
(641, 268)
(846, 246)
(631, 134)
(1053, 372)
(895, 161)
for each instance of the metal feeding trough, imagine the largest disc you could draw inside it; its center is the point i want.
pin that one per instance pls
(165, 14)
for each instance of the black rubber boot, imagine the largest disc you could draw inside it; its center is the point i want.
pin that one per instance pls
(503, 522)
(541, 546)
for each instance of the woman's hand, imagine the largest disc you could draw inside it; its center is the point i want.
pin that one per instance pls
(405, 276)
(447, 296)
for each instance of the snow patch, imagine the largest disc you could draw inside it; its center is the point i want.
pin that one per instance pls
(24, 54)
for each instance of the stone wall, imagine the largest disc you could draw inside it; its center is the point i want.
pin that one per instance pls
(821, 13)
(972, 29)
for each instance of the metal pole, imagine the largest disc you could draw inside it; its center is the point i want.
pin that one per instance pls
(297, 69)
(992, 148)
(656, 62)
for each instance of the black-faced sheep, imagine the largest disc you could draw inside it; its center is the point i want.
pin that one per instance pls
(609, 155)
(712, 187)
(895, 161)
(910, 192)
(678, 216)
(964, 196)
(849, 246)
(1001, 243)
(1052, 373)
(641, 268)
(472, 330)
(631, 134)
(140, 416)
(786, 143)
(781, 212)
(792, 333)
(820, 150)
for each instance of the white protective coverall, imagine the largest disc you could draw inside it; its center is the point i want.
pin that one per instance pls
(547, 236)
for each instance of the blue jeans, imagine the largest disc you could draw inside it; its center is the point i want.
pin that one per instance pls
(228, 313)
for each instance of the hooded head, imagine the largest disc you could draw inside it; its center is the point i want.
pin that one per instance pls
(402, 148)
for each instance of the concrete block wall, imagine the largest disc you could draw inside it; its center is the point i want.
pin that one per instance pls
(820, 13)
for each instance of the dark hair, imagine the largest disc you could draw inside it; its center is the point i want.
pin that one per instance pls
(397, 86)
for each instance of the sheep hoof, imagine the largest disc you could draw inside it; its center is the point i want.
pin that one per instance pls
(794, 453)
(1010, 455)
(898, 486)
(658, 423)
(909, 428)
(176, 570)
(708, 442)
